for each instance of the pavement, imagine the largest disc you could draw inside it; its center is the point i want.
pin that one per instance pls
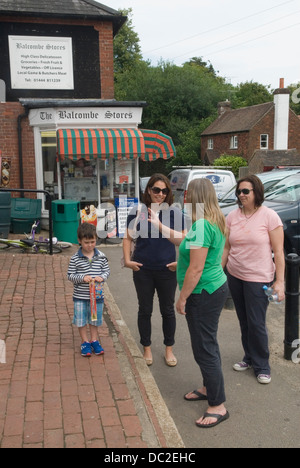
(52, 397)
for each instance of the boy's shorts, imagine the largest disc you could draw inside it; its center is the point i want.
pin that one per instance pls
(82, 314)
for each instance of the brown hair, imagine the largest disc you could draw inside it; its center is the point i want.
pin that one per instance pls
(86, 231)
(155, 178)
(258, 189)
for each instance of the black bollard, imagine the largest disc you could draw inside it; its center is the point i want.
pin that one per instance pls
(291, 337)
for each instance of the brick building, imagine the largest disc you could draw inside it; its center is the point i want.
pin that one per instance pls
(57, 85)
(266, 135)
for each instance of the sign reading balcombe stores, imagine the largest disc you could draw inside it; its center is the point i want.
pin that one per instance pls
(41, 62)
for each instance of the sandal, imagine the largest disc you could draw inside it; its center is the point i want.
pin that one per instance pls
(200, 396)
(219, 418)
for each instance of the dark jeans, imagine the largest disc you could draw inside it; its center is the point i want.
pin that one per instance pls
(164, 282)
(202, 314)
(251, 305)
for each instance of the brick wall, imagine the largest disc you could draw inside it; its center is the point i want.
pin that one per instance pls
(222, 146)
(9, 113)
(106, 59)
(105, 30)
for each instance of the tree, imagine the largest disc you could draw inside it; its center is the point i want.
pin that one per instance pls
(295, 97)
(197, 61)
(250, 94)
(127, 51)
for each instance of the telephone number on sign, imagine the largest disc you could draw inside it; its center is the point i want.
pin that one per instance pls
(43, 80)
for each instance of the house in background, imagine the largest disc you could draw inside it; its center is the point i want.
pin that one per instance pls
(266, 135)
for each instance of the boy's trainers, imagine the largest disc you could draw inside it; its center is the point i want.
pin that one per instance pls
(97, 348)
(86, 349)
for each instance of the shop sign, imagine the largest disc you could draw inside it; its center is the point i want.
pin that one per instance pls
(41, 62)
(86, 116)
(124, 205)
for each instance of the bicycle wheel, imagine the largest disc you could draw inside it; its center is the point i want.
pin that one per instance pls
(64, 245)
(43, 248)
(12, 246)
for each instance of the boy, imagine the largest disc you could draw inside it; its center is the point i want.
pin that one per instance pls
(87, 265)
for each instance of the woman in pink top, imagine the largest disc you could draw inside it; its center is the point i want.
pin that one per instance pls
(255, 231)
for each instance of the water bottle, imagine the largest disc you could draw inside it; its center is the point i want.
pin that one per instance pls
(269, 291)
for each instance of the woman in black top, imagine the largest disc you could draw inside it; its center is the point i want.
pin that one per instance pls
(154, 262)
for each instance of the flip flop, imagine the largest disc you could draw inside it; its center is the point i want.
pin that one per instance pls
(200, 396)
(220, 418)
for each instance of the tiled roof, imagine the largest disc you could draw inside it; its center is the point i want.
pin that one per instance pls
(88, 9)
(238, 120)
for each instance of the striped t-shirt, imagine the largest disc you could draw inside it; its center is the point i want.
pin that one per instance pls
(81, 266)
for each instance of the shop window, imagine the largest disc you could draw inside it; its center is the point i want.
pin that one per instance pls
(49, 164)
(86, 179)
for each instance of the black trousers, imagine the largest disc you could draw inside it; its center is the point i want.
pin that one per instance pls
(251, 305)
(202, 314)
(164, 283)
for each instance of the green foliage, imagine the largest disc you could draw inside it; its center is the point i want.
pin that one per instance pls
(181, 100)
(234, 161)
(127, 50)
(178, 100)
(250, 94)
(295, 98)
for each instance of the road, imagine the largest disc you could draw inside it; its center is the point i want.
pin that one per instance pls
(261, 416)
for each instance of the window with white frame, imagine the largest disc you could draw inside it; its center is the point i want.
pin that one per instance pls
(210, 144)
(264, 141)
(234, 142)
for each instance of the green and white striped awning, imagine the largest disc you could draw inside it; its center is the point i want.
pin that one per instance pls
(129, 143)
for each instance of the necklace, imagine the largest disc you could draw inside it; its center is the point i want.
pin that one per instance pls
(248, 217)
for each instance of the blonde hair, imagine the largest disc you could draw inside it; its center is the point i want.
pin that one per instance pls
(201, 191)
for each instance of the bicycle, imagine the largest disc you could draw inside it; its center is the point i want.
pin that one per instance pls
(31, 245)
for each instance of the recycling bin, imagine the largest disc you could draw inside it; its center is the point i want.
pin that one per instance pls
(5, 211)
(66, 220)
(24, 212)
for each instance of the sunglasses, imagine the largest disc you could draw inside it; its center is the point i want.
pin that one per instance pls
(157, 190)
(245, 191)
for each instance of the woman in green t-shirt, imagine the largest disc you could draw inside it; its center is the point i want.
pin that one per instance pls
(203, 292)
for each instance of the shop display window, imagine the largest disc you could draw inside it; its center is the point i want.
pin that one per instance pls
(86, 179)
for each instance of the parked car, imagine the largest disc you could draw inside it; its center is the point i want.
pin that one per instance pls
(284, 198)
(143, 184)
(180, 178)
(269, 179)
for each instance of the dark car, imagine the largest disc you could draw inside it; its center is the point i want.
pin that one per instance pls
(285, 200)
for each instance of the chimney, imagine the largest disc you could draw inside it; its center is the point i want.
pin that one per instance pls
(281, 121)
(223, 107)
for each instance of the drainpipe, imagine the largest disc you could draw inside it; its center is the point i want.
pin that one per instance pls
(20, 118)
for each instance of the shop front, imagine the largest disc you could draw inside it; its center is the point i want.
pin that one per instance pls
(90, 154)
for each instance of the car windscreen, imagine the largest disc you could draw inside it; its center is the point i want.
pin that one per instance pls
(178, 180)
(287, 190)
(230, 196)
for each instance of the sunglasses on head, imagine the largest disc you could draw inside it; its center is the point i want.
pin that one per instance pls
(157, 190)
(245, 191)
